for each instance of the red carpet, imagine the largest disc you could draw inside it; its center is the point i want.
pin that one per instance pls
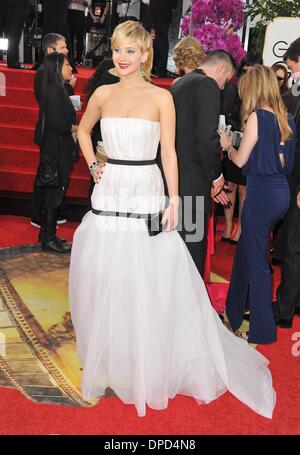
(183, 416)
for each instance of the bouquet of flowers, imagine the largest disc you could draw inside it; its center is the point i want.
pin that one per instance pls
(215, 23)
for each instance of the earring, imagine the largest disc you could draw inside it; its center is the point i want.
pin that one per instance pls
(142, 72)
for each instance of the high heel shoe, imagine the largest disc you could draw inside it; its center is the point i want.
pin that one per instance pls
(225, 239)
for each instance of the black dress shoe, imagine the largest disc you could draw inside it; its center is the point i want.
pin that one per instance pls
(285, 323)
(233, 242)
(246, 317)
(41, 238)
(221, 317)
(56, 246)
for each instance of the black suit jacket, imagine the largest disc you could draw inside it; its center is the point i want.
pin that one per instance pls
(197, 103)
(294, 178)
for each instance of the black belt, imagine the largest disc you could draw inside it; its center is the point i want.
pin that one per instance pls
(143, 216)
(131, 162)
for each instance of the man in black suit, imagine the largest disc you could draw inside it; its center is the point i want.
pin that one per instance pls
(288, 292)
(197, 102)
(17, 12)
(161, 16)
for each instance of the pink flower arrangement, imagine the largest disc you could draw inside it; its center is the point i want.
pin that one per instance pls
(212, 37)
(215, 23)
(219, 12)
(185, 24)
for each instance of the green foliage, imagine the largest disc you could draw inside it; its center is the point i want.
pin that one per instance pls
(269, 9)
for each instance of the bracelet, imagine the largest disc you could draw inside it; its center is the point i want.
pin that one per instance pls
(93, 167)
(229, 153)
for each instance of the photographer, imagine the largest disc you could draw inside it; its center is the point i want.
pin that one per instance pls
(98, 12)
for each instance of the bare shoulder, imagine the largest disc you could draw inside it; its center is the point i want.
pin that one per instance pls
(253, 116)
(162, 95)
(104, 91)
(251, 127)
(252, 119)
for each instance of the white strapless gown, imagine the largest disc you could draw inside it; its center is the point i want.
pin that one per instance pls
(143, 320)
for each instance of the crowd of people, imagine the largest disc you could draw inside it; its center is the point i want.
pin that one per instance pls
(131, 322)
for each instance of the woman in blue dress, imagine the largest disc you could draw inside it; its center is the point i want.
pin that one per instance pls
(266, 155)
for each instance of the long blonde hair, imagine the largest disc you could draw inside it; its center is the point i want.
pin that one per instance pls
(258, 87)
(136, 33)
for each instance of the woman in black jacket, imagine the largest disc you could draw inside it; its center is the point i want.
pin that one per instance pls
(58, 149)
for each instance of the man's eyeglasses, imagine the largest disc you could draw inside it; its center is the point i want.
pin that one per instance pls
(280, 79)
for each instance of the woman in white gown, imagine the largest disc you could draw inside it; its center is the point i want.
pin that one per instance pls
(143, 320)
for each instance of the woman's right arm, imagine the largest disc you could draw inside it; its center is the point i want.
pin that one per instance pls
(89, 119)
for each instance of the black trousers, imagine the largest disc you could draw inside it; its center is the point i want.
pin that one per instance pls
(288, 292)
(161, 45)
(195, 238)
(76, 26)
(16, 16)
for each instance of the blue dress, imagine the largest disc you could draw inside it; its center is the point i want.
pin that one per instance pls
(267, 200)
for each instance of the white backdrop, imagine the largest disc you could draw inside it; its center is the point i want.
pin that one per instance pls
(279, 35)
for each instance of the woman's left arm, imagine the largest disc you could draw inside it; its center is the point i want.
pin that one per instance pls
(169, 156)
(250, 137)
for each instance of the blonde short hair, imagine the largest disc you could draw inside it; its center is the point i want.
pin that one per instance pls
(135, 32)
(188, 53)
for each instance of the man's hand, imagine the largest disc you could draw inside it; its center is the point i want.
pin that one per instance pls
(218, 192)
(217, 186)
(298, 200)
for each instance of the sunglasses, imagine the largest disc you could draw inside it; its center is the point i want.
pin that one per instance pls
(280, 79)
